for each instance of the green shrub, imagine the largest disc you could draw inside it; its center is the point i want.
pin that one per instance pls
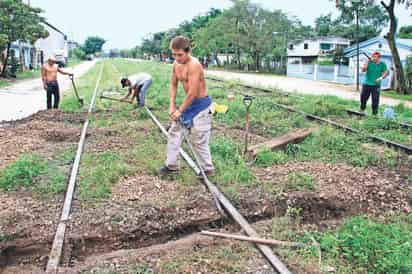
(370, 246)
(22, 172)
(267, 158)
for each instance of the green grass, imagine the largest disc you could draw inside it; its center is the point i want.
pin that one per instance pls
(22, 172)
(230, 164)
(300, 181)
(267, 158)
(365, 245)
(34, 172)
(99, 172)
(29, 74)
(395, 95)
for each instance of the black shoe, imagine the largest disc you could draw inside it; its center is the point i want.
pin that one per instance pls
(164, 171)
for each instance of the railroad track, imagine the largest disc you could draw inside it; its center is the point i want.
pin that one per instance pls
(401, 147)
(58, 242)
(56, 252)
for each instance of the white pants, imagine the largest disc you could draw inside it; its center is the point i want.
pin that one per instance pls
(199, 136)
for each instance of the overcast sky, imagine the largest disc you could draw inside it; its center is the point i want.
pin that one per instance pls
(125, 22)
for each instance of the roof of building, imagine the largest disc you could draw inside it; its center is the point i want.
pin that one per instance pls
(322, 38)
(56, 29)
(400, 43)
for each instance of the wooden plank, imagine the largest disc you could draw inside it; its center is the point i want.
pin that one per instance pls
(231, 210)
(281, 141)
(252, 239)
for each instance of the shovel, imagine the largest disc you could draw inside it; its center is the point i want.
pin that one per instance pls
(114, 99)
(80, 100)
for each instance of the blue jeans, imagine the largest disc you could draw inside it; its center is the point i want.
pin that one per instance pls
(142, 92)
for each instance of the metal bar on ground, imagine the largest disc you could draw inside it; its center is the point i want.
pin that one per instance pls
(377, 139)
(362, 114)
(253, 239)
(264, 249)
(57, 247)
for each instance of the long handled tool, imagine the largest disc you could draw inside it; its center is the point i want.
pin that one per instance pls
(114, 99)
(367, 56)
(202, 172)
(80, 100)
(247, 101)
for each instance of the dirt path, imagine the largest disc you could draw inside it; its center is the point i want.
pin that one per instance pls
(27, 97)
(299, 85)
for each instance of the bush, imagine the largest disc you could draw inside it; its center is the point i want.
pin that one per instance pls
(79, 53)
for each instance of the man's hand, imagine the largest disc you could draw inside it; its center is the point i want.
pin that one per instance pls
(379, 79)
(176, 115)
(172, 109)
(45, 86)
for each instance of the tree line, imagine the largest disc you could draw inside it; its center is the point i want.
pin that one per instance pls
(252, 35)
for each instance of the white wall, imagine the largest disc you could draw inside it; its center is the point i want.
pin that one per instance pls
(54, 42)
(314, 46)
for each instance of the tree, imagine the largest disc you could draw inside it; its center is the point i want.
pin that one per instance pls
(323, 25)
(400, 80)
(79, 53)
(18, 22)
(405, 32)
(372, 20)
(93, 44)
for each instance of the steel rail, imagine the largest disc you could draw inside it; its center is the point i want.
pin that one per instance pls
(57, 247)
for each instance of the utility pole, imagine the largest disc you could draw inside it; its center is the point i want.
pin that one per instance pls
(356, 4)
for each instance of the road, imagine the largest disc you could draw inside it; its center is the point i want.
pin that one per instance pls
(299, 85)
(27, 97)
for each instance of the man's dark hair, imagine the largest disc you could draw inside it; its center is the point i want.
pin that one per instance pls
(123, 82)
(180, 42)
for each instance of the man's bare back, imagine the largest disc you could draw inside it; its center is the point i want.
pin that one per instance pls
(182, 72)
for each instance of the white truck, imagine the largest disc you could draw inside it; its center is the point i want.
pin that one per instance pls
(61, 57)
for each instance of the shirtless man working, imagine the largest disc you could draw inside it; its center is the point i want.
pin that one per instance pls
(50, 84)
(195, 111)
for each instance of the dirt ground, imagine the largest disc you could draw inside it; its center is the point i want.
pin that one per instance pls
(150, 223)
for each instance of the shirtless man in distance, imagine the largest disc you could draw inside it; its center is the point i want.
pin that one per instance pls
(194, 113)
(50, 84)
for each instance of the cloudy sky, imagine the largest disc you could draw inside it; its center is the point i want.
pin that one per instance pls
(125, 22)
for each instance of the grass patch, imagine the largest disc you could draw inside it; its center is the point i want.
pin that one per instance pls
(34, 172)
(219, 259)
(300, 181)
(99, 172)
(267, 158)
(364, 245)
(394, 94)
(29, 74)
(329, 144)
(22, 172)
(230, 165)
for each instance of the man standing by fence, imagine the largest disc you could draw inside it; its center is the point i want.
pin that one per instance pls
(376, 71)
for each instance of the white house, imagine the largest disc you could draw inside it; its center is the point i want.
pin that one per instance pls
(304, 55)
(379, 44)
(55, 44)
(308, 50)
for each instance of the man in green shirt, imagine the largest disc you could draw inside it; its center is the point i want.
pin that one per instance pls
(376, 71)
